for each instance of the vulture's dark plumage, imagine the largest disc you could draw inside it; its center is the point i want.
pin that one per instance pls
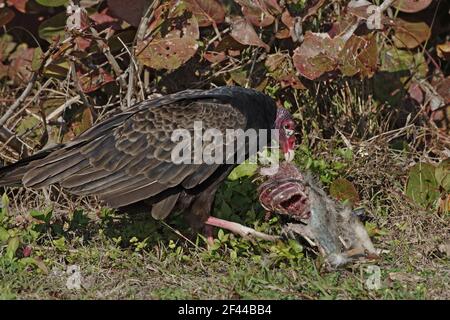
(127, 158)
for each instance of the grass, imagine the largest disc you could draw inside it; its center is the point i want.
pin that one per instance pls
(131, 256)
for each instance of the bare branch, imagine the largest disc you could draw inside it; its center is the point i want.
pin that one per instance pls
(19, 100)
(9, 139)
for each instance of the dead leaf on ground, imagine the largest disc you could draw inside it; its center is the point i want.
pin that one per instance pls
(410, 34)
(243, 32)
(207, 12)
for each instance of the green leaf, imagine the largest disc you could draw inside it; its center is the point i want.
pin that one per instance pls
(4, 235)
(422, 186)
(53, 27)
(58, 69)
(52, 3)
(220, 234)
(5, 204)
(245, 169)
(13, 245)
(442, 174)
(32, 261)
(343, 189)
(38, 58)
(60, 243)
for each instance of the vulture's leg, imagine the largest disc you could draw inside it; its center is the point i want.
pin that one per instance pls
(239, 229)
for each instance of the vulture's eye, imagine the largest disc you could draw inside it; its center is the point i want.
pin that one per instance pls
(288, 132)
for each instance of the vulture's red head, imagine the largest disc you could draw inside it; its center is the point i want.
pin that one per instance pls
(286, 126)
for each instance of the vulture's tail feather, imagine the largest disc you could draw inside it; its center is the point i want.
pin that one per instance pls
(11, 175)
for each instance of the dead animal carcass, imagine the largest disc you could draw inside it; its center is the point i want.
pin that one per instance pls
(332, 228)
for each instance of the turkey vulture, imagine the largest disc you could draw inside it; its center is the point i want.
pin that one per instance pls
(127, 158)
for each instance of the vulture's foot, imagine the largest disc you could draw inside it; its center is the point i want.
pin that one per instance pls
(239, 229)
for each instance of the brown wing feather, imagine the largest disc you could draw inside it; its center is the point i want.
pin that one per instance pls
(130, 159)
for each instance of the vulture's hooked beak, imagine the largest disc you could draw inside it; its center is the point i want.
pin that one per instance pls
(289, 155)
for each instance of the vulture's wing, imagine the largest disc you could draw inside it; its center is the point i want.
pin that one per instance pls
(128, 157)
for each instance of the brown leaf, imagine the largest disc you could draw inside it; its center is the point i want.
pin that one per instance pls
(93, 80)
(171, 50)
(404, 277)
(83, 43)
(312, 9)
(20, 5)
(20, 64)
(294, 25)
(410, 34)
(415, 92)
(280, 68)
(207, 12)
(317, 55)
(411, 6)
(214, 57)
(256, 12)
(243, 32)
(130, 11)
(359, 55)
(443, 50)
(283, 34)
(6, 15)
(103, 17)
(442, 87)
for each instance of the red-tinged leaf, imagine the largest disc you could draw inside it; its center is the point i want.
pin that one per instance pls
(410, 34)
(6, 15)
(415, 92)
(20, 5)
(294, 25)
(317, 55)
(207, 12)
(256, 12)
(312, 9)
(291, 80)
(130, 11)
(214, 57)
(103, 17)
(243, 32)
(26, 251)
(273, 6)
(93, 80)
(442, 87)
(20, 64)
(83, 43)
(171, 50)
(411, 6)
